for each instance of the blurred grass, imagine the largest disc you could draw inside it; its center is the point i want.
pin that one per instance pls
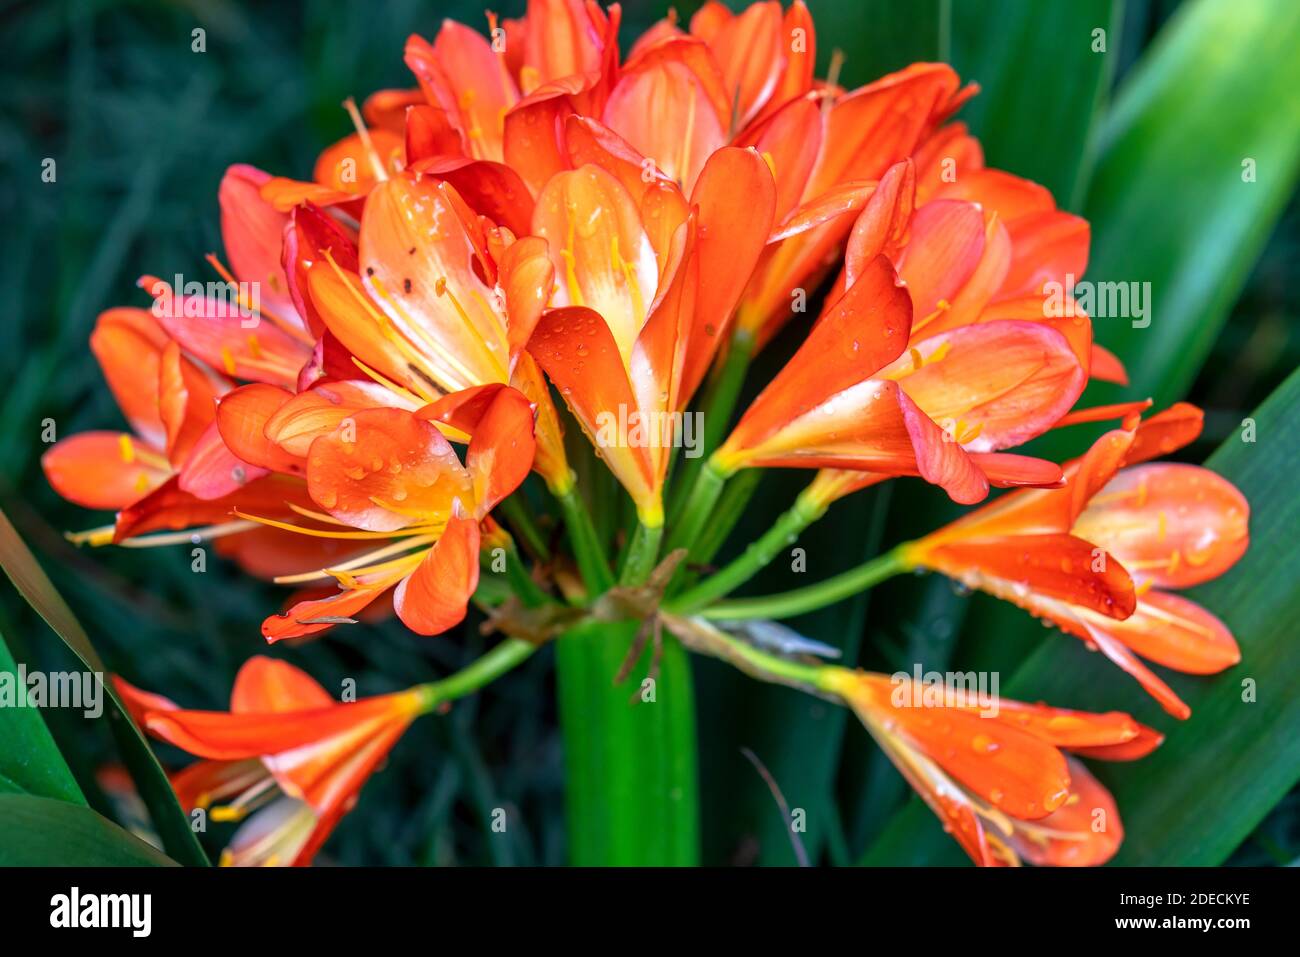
(141, 129)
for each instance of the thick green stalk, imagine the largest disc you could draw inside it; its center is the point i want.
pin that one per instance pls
(811, 597)
(756, 557)
(630, 769)
(629, 750)
(586, 545)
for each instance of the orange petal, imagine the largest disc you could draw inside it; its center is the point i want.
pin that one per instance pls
(946, 244)
(387, 108)
(320, 614)
(1046, 247)
(789, 140)
(998, 191)
(265, 685)
(526, 279)
(561, 40)
(1084, 832)
(433, 598)
(1173, 524)
(251, 231)
(994, 385)
(1069, 729)
(170, 508)
(1107, 367)
(878, 125)
(602, 255)
(385, 469)
(108, 470)
(348, 166)
(308, 238)
(499, 421)
(750, 50)
(186, 401)
(665, 112)
(242, 415)
(736, 199)
(216, 331)
(882, 225)
(1113, 648)
(582, 359)
(1165, 432)
(320, 410)
(127, 343)
(862, 332)
(1147, 740)
(1024, 567)
(491, 189)
(462, 75)
(828, 207)
(1177, 633)
(418, 254)
(212, 470)
(1017, 772)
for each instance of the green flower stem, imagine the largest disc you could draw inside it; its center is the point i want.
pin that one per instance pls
(719, 401)
(810, 598)
(708, 640)
(756, 556)
(515, 511)
(699, 506)
(642, 554)
(730, 508)
(482, 671)
(586, 545)
(521, 582)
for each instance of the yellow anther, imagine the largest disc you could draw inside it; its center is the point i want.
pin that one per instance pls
(126, 448)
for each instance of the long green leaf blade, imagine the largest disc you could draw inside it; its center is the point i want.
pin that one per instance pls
(30, 760)
(43, 832)
(37, 589)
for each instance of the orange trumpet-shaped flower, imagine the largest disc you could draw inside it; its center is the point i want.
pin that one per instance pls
(994, 771)
(382, 473)
(635, 326)
(1095, 557)
(828, 158)
(287, 760)
(433, 299)
(844, 400)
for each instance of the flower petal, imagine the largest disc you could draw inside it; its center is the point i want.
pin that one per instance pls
(434, 596)
(385, 469)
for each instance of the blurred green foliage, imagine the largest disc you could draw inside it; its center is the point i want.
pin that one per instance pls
(141, 129)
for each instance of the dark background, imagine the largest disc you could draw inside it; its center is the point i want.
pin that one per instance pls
(142, 130)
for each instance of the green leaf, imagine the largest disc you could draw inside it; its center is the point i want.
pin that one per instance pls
(30, 760)
(880, 36)
(1202, 792)
(43, 832)
(35, 586)
(1041, 83)
(630, 767)
(1168, 204)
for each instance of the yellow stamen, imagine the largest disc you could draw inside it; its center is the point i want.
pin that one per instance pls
(376, 163)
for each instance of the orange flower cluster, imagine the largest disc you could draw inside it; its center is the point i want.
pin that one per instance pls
(544, 217)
